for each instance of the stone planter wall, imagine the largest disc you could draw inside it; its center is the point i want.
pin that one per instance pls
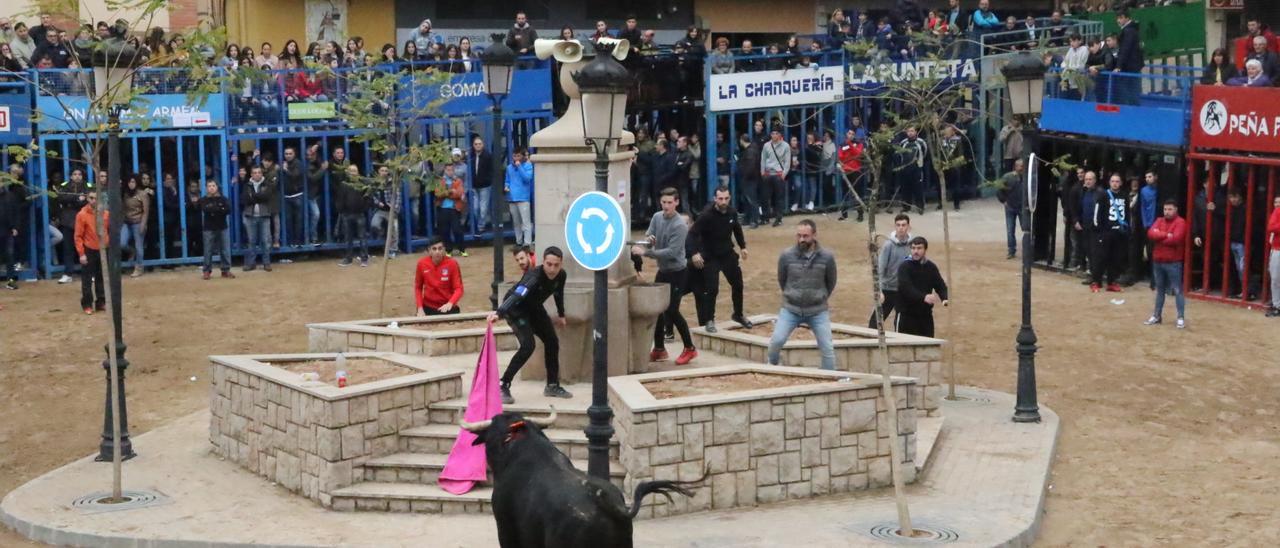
(309, 437)
(374, 336)
(909, 355)
(762, 446)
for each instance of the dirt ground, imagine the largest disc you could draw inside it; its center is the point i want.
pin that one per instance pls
(720, 384)
(1168, 437)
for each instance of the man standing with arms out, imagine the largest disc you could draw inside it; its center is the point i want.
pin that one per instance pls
(1168, 236)
(1111, 234)
(911, 154)
(807, 276)
(1147, 198)
(437, 282)
(775, 163)
(519, 189)
(1273, 240)
(525, 311)
(714, 233)
(896, 250)
(214, 209)
(920, 287)
(481, 180)
(667, 233)
(92, 295)
(1012, 197)
(255, 206)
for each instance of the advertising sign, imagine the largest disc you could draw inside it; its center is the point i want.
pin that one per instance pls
(465, 93)
(15, 123)
(1239, 119)
(775, 88)
(874, 75)
(1226, 4)
(158, 111)
(319, 110)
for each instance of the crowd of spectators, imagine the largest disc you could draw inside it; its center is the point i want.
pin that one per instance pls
(1256, 62)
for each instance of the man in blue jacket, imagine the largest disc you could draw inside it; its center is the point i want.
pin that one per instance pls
(519, 188)
(1147, 204)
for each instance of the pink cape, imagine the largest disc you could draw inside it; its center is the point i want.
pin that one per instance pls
(466, 465)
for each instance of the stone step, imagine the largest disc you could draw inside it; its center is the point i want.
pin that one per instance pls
(439, 438)
(410, 497)
(425, 469)
(568, 416)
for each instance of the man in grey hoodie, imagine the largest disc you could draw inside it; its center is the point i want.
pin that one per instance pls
(896, 250)
(775, 164)
(807, 276)
(667, 233)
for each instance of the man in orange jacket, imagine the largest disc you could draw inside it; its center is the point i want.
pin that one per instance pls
(1273, 268)
(437, 282)
(87, 245)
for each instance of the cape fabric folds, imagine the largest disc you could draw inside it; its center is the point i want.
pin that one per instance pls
(466, 464)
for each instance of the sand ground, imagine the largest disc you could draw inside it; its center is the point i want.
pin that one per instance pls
(1168, 437)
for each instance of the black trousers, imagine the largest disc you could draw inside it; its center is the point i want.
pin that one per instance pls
(1110, 249)
(914, 323)
(890, 299)
(773, 196)
(67, 250)
(535, 323)
(91, 281)
(672, 315)
(429, 311)
(749, 196)
(1068, 243)
(711, 285)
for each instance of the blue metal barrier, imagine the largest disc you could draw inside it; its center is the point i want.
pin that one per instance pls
(1108, 103)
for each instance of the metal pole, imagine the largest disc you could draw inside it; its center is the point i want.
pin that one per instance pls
(115, 424)
(1026, 409)
(600, 429)
(496, 200)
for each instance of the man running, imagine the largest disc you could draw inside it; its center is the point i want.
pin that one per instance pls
(920, 287)
(667, 233)
(714, 232)
(437, 282)
(525, 312)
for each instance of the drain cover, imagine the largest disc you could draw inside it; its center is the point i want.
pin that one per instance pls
(97, 503)
(968, 400)
(925, 533)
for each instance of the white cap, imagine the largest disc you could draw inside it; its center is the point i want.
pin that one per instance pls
(457, 151)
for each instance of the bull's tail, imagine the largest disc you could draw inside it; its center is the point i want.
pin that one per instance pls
(662, 487)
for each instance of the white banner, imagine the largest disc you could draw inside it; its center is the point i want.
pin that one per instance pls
(776, 88)
(877, 74)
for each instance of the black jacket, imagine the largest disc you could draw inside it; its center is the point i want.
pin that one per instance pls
(664, 170)
(521, 38)
(1129, 54)
(749, 162)
(530, 292)
(1218, 215)
(292, 176)
(347, 198)
(481, 169)
(13, 206)
(214, 210)
(1111, 210)
(915, 280)
(70, 199)
(715, 232)
(683, 161)
(315, 180)
(264, 196)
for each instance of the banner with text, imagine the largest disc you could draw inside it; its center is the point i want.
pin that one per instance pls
(876, 75)
(15, 118)
(319, 110)
(1236, 119)
(465, 93)
(775, 88)
(158, 111)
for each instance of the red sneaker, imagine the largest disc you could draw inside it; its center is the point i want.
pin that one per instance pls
(205, 276)
(88, 311)
(1114, 288)
(1094, 288)
(687, 356)
(228, 275)
(658, 355)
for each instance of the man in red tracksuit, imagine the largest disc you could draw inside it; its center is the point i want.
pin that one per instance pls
(1168, 237)
(437, 282)
(1273, 267)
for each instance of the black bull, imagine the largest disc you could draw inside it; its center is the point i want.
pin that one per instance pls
(540, 499)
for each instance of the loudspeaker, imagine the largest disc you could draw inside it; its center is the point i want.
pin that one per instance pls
(621, 46)
(565, 51)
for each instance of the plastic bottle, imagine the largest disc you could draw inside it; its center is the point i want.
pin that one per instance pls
(341, 375)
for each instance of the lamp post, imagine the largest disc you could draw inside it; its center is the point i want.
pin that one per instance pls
(603, 83)
(498, 62)
(1024, 76)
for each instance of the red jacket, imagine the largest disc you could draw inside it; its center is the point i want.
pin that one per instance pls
(302, 86)
(851, 157)
(1244, 46)
(436, 284)
(1273, 229)
(1170, 239)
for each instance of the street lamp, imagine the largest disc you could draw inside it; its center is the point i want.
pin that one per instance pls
(113, 62)
(499, 64)
(603, 83)
(1024, 76)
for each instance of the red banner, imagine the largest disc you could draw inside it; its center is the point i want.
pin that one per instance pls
(1236, 119)
(1226, 4)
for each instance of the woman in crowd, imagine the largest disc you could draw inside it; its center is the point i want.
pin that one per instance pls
(137, 209)
(566, 32)
(465, 53)
(1253, 76)
(1219, 71)
(411, 51)
(721, 59)
(453, 60)
(290, 52)
(9, 63)
(230, 58)
(265, 57)
(351, 55)
(389, 56)
(602, 31)
(313, 54)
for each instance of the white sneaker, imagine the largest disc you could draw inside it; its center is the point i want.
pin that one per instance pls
(1151, 321)
(1182, 324)
(794, 207)
(65, 279)
(809, 206)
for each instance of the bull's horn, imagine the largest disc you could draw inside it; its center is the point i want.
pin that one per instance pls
(544, 422)
(474, 426)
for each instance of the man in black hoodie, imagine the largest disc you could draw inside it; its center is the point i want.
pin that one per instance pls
(715, 231)
(920, 287)
(351, 203)
(293, 178)
(525, 311)
(1111, 234)
(521, 36)
(13, 205)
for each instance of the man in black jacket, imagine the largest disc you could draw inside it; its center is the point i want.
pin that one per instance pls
(70, 197)
(352, 204)
(715, 231)
(294, 180)
(683, 160)
(749, 179)
(920, 287)
(214, 209)
(256, 196)
(481, 164)
(521, 36)
(1111, 234)
(13, 206)
(1070, 196)
(1128, 59)
(525, 311)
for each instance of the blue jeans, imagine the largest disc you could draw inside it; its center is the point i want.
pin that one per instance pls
(481, 205)
(220, 241)
(1011, 218)
(313, 222)
(259, 240)
(134, 230)
(296, 220)
(819, 323)
(1237, 259)
(1168, 278)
